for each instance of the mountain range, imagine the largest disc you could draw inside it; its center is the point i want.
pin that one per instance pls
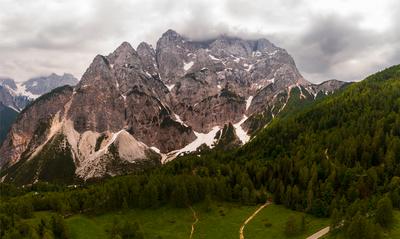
(134, 109)
(15, 96)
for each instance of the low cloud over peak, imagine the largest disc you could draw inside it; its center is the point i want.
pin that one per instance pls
(346, 40)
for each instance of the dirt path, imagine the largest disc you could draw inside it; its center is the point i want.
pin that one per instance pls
(319, 233)
(194, 223)
(250, 218)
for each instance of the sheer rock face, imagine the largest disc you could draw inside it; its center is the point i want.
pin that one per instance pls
(33, 125)
(198, 71)
(130, 99)
(159, 100)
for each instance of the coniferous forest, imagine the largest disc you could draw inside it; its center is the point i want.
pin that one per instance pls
(338, 157)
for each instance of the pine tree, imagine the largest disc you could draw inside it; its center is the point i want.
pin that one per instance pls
(384, 212)
(335, 220)
(59, 228)
(179, 196)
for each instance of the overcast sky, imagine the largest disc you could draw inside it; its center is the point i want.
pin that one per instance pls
(341, 39)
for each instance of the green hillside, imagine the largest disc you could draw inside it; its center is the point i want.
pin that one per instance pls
(336, 158)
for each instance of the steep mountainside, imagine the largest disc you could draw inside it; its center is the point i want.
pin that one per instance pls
(349, 127)
(7, 117)
(336, 157)
(165, 101)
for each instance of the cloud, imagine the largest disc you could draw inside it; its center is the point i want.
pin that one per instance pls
(332, 41)
(342, 39)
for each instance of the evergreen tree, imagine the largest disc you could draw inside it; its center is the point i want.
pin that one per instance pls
(179, 196)
(58, 227)
(384, 212)
(336, 220)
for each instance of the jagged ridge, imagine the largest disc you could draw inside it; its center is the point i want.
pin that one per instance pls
(160, 100)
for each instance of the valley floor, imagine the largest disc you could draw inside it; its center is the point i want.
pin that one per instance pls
(223, 221)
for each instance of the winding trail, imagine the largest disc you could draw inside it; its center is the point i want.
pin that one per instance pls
(250, 218)
(319, 233)
(194, 223)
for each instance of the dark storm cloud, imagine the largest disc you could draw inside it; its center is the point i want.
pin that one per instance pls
(39, 37)
(334, 46)
(330, 40)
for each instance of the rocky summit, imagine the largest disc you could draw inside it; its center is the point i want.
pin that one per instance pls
(137, 108)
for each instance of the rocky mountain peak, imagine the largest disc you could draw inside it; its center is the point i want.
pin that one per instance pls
(171, 35)
(147, 55)
(145, 48)
(264, 45)
(99, 66)
(125, 47)
(225, 46)
(124, 56)
(172, 100)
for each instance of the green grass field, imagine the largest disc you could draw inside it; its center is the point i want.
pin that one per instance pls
(222, 222)
(158, 223)
(277, 216)
(395, 232)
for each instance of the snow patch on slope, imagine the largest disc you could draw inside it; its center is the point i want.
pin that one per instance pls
(15, 109)
(214, 58)
(249, 67)
(302, 96)
(208, 139)
(155, 149)
(178, 119)
(248, 102)
(170, 87)
(21, 90)
(240, 132)
(187, 66)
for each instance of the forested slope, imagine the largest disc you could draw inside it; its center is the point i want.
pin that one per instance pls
(338, 157)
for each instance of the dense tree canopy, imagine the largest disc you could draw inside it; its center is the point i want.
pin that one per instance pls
(338, 157)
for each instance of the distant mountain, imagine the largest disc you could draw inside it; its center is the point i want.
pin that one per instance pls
(44, 84)
(7, 117)
(25, 92)
(16, 96)
(9, 98)
(138, 107)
